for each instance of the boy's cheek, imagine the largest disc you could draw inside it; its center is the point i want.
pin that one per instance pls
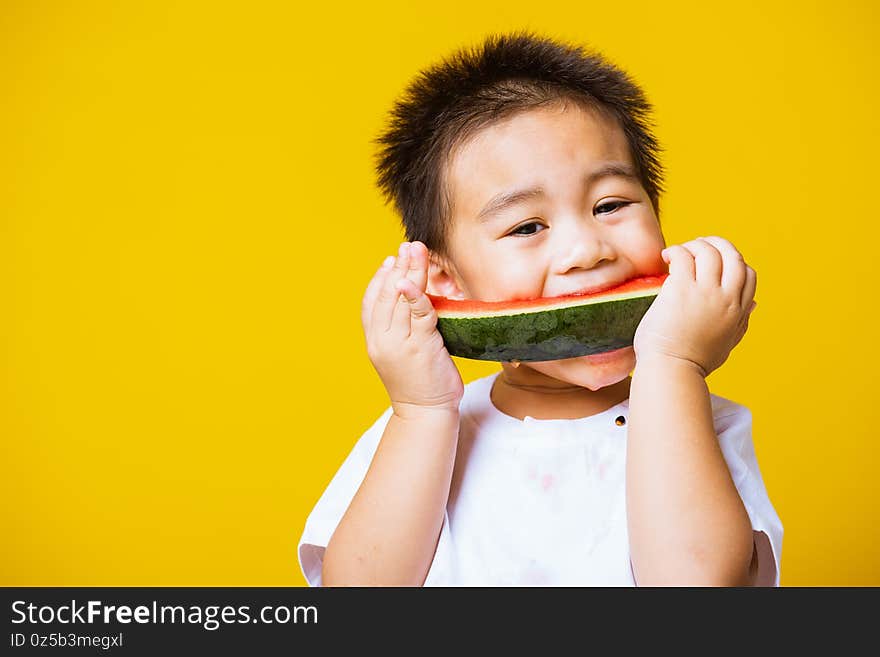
(651, 261)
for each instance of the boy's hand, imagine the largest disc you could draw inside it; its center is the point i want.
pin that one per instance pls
(702, 311)
(400, 326)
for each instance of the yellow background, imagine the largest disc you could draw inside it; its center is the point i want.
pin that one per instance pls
(188, 217)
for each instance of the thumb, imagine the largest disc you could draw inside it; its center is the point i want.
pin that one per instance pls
(421, 309)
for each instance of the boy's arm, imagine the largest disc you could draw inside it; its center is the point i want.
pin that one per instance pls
(389, 533)
(687, 523)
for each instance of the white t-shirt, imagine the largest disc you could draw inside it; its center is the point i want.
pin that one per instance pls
(541, 502)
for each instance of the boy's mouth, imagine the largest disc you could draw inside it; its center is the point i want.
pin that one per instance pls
(601, 287)
(609, 285)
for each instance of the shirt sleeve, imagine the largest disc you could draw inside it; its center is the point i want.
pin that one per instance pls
(331, 506)
(734, 429)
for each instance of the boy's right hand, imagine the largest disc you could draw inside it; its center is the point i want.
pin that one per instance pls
(400, 326)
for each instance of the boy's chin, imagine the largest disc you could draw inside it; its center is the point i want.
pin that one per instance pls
(593, 372)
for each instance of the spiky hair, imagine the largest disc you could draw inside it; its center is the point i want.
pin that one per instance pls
(474, 87)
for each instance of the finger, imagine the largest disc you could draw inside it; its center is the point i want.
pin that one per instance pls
(708, 261)
(398, 272)
(744, 320)
(681, 262)
(418, 266)
(400, 318)
(385, 303)
(745, 326)
(423, 316)
(372, 291)
(740, 333)
(751, 284)
(733, 274)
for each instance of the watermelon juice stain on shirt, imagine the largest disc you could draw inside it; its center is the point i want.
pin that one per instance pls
(541, 501)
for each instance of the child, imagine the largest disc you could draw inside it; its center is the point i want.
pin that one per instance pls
(527, 169)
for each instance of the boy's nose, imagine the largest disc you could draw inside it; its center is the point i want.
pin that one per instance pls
(583, 249)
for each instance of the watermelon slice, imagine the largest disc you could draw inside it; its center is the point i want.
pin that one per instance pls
(546, 328)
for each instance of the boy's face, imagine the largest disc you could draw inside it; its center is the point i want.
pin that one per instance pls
(579, 231)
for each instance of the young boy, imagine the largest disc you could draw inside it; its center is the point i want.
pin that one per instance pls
(527, 169)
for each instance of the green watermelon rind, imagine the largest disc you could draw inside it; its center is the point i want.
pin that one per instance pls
(548, 334)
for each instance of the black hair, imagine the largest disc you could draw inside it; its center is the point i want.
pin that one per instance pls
(506, 74)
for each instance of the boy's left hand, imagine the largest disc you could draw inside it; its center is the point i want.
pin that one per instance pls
(703, 308)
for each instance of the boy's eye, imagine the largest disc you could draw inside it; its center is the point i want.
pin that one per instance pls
(612, 204)
(604, 208)
(532, 223)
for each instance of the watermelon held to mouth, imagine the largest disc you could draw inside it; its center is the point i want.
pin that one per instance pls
(547, 328)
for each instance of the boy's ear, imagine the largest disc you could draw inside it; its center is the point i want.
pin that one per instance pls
(442, 280)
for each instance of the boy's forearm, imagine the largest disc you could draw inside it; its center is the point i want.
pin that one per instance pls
(389, 533)
(687, 523)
